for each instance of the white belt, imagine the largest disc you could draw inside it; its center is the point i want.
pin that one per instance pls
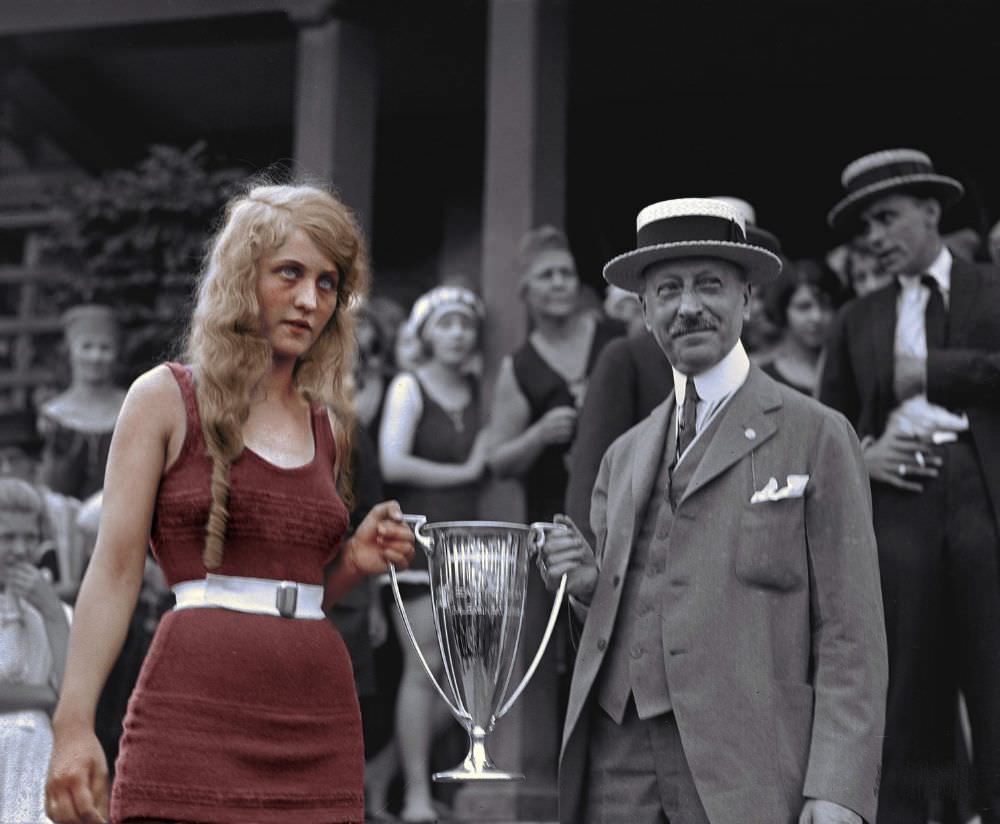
(264, 596)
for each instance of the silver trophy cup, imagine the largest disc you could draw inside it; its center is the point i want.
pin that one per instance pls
(479, 575)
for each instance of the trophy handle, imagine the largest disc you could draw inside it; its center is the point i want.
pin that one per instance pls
(537, 539)
(415, 522)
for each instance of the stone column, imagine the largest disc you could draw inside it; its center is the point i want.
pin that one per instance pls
(524, 187)
(336, 89)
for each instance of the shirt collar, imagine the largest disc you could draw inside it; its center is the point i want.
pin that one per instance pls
(719, 381)
(940, 270)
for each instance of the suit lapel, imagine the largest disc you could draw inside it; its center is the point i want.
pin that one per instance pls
(744, 426)
(649, 453)
(962, 298)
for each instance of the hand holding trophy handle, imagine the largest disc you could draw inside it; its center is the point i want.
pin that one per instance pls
(415, 522)
(537, 539)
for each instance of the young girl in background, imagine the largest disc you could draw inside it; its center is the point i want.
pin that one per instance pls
(433, 455)
(33, 636)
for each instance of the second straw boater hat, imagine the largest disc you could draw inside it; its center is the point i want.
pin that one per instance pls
(880, 173)
(691, 227)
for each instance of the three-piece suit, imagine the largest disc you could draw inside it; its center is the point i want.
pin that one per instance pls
(769, 613)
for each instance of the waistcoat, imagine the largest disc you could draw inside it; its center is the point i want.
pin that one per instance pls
(634, 664)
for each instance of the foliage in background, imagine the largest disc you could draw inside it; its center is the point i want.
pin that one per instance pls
(134, 239)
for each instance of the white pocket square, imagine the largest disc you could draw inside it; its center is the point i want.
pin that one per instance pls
(795, 487)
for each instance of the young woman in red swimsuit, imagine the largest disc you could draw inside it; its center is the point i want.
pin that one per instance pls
(232, 468)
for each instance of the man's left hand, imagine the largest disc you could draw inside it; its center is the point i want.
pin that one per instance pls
(909, 377)
(817, 811)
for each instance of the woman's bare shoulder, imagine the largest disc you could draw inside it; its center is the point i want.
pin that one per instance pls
(156, 394)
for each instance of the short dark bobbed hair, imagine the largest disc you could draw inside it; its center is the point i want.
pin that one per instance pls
(820, 279)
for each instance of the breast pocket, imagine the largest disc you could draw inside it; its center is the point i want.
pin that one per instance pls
(771, 552)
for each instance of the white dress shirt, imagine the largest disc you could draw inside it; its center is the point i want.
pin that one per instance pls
(911, 334)
(911, 340)
(715, 386)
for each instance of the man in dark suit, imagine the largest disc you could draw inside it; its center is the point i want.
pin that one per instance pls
(731, 665)
(916, 367)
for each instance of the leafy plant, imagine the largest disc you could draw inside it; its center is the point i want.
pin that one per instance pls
(134, 239)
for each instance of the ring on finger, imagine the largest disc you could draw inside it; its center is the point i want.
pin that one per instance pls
(918, 456)
(902, 470)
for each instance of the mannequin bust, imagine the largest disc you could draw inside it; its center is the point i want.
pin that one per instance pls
(76, 425)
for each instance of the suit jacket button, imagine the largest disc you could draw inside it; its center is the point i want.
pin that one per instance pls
(602, 644)
(637, 651)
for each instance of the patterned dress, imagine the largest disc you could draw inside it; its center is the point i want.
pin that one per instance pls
(26, 735)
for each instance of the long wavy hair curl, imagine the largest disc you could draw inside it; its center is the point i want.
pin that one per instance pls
(230, 356)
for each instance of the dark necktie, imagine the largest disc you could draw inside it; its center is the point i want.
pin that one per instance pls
(935, 316)
(689, 416)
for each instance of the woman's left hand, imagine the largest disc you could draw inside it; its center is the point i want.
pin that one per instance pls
(383, 538)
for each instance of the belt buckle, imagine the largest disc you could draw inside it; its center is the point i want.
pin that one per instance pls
(286, 598)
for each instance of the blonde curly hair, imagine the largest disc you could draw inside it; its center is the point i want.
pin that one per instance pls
(230, 356)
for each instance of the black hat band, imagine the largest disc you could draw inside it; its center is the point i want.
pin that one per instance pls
(690, 229)
(887, 171)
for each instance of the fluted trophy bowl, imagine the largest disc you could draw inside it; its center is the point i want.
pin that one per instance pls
(479, 576)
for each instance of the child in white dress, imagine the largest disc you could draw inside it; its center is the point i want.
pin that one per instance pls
(33, 635)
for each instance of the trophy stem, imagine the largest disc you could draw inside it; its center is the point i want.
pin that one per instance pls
(477, 766)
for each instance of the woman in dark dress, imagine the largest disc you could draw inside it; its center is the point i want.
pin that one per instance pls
(541, 387)
(233, 465)
(802, 303)
(432, 458)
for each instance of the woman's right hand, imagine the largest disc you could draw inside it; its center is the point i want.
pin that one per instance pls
(558, 425)
(77, 787)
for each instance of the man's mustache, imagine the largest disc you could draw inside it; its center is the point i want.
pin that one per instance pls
(687, 328)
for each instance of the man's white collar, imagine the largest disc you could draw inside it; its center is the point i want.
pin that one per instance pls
(719, 381)
(940, 270)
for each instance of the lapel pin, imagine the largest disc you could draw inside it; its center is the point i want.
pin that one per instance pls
(750, 433)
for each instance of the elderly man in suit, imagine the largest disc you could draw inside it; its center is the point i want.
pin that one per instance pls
(915, 366)
(731, 665)
(630, 378)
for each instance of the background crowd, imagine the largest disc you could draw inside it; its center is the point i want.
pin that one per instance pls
(587, 371)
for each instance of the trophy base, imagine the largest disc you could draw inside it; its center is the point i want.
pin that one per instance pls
(464, 772)
(477, 766)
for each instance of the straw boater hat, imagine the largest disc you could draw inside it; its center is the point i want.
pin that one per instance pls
(881, 173)
(691, 227)
(755, 234)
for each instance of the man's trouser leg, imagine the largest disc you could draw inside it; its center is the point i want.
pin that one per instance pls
(638, 773)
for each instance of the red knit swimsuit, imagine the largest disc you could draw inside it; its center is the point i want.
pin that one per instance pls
(240, 717)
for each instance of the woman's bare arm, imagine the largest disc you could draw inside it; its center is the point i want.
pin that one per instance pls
(153, 408)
